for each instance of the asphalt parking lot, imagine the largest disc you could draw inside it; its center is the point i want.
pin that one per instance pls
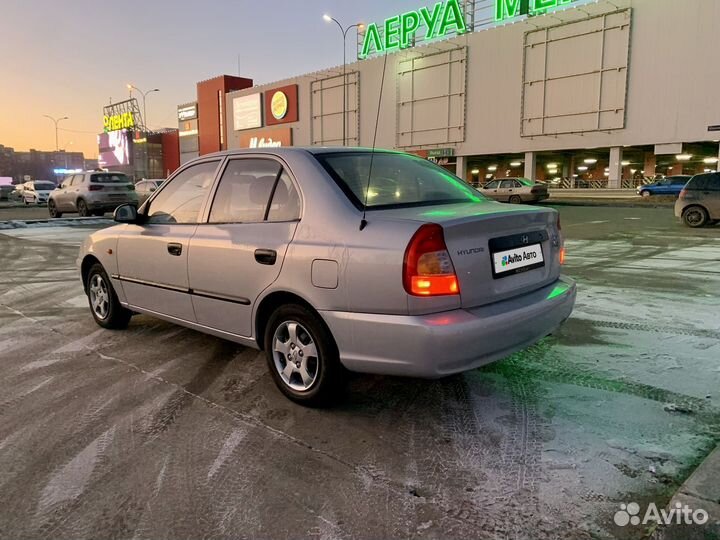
(159, 431)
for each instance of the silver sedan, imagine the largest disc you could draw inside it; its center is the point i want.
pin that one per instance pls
(332, 260)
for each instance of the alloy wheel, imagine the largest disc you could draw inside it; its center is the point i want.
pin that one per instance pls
(296, 356)
(99, 297)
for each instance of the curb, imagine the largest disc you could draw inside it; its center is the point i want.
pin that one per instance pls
(618, 203)
(67, 222)
(700, 491)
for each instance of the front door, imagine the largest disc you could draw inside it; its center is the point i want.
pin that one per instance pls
(153, 256)
(62, 195)
(239, 252)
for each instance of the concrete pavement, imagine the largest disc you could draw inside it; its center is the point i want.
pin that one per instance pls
(161, 431)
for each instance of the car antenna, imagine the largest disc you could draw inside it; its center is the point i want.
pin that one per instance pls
(363, 222)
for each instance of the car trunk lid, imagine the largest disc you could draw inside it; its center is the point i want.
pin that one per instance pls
(480, 235)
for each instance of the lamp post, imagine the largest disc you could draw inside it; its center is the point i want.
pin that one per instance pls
(132, 87)
(344, 31)
(56, 122)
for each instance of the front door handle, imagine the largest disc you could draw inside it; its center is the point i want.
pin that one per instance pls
(174, 249)
(266, 256)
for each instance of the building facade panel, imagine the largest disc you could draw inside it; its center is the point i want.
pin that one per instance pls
(597, 75)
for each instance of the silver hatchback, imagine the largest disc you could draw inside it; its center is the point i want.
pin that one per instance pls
(332, 260)
(93, 192)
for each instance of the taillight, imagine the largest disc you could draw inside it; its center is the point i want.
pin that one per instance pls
(95, 187)
(562, 255)
(427, 268)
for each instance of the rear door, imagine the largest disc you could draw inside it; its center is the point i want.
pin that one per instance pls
(152, 257)
(239, 252)
(711, 195)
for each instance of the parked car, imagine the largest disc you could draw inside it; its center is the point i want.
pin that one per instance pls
(92, 192)
(515, 190)
(5, 191)
(299, 253)
(145, 188)
(699, 202)
(37, 191)
(672, 185)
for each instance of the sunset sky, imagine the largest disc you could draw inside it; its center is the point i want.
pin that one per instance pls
(69, 58)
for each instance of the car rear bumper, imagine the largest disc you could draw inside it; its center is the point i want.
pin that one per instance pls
(679, 207)
(434, 346)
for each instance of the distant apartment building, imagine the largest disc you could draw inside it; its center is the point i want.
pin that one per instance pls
(38, 164)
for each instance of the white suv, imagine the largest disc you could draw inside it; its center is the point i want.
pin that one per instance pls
(93, 192)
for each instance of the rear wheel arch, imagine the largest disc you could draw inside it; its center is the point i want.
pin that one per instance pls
(695, 207)
(273, 301)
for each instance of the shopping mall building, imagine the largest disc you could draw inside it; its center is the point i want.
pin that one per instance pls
(580, 93)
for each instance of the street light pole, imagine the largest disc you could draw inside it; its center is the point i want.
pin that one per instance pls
(56, 122)
(132, 87)
(344, 31)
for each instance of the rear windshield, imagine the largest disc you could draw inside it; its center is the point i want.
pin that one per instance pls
(44, 186)
(109, 178)
(398, 180)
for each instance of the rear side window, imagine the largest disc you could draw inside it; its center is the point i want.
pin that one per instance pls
(700, 182)
(395, 180)
(246, 189)
(713, 182)
(109, 179)
(182, 198)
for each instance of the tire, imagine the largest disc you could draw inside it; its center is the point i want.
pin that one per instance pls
(516, 199)
(104, 304)
(313, 380)
(54, 212)
(645, 194)
(695, 217)
(82, 208)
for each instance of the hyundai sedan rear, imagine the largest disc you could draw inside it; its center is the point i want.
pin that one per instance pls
(334, 260)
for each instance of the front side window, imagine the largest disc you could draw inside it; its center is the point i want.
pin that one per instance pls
(492, 185)
(245, 192)
(182, 199)
(396, 180)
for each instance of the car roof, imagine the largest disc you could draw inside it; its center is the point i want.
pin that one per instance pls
(294, 150)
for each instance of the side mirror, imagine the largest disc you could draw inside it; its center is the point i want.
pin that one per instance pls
(126, 213)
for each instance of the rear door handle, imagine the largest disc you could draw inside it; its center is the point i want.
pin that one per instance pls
(266, 256)
(174, 249)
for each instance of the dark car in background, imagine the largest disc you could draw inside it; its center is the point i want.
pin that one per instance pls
(699, 202)
(5, 191)
(670, 186)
